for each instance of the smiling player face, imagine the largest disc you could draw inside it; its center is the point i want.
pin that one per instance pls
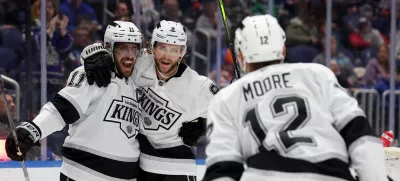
(166, 57)
(125, 55)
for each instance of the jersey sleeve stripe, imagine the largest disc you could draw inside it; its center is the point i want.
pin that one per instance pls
(220, 171)
(66, 109)
(355, 129)
(272, 161)
(340, 124)
(73, 102)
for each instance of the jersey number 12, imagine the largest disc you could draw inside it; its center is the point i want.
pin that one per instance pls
(279, 108)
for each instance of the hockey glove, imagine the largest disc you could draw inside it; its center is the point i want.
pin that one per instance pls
(28, 136)
(192, 131)
(98, 64)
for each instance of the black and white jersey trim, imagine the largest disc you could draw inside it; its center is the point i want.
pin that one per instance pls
(126, 170)
(226, 169)
(66, 108)
(270, 160)
(178, 160)
(355, 129)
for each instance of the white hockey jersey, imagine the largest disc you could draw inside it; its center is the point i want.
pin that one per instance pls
(165, 106)
(290, 122)
(103, 125)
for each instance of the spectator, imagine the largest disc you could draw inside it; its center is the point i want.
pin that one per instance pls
(226, 68)
(191, 15)
(345, 66)
(236, 11)
(334, 66)
(302, 31)
(171, 11)
(366, 37)
(5, 125)
(86, 22)
(208, 20)
(377, 68)
(11, 36)
(352, 19)
(82, 38)
(59, 43)
(121, 12)
(73, 9)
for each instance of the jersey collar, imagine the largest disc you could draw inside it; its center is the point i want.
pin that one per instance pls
(182, 67)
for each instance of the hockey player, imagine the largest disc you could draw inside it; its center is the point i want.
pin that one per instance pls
(174, 106)
(286, 121)
(103, 122)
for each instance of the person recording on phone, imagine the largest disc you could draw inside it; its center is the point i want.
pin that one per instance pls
(58, 45)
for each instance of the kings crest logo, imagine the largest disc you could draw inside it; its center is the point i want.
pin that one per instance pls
(126, 113)
(158, 112)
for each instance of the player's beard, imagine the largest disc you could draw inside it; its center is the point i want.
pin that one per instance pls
(125, 66)
(164, 69)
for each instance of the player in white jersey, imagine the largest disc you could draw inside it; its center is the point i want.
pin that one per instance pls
(286, 121)
(103, 122)
(174, 106)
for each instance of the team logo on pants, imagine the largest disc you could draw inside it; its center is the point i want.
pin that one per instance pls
(126, 113)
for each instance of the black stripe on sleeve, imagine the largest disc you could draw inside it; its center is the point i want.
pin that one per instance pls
(67, 111)
(230, 169)
(272, 161)
(106, 166)
(356, 128)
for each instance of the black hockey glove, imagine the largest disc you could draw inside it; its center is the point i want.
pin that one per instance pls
(192, 131)
(28, 135)
(98, 64)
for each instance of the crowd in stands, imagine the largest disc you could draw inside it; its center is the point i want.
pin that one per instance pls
(359, 43)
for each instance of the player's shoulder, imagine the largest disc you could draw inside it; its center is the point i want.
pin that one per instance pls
(232, 91)
(191, 75)
(197, 82)
(313, 67)
(80, 70)
(302, 68)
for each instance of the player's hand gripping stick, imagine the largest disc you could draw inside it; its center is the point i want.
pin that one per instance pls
(12, 126)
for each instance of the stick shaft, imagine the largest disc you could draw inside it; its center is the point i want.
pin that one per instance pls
(12, 126)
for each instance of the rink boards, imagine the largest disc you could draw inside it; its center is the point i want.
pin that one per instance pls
(50, 170)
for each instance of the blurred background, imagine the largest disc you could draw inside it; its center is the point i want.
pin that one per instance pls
(39, 47)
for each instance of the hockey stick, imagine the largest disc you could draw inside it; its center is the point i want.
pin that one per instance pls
(12, 126)
(229, 40)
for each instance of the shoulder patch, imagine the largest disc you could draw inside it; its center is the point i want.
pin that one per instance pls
(214, 89)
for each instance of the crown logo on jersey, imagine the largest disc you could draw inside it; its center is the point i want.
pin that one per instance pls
(126, 114)
(129, 129)
(157, 111)
(147, 121)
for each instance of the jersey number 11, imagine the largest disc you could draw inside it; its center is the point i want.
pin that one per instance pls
(279, 108)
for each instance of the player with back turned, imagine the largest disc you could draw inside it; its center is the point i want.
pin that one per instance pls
(103, 122)
(286, 121)
(174, 100)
